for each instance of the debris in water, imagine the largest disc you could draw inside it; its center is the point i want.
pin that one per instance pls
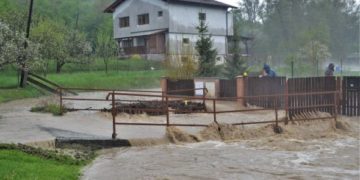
(176, 135)
(157, 108)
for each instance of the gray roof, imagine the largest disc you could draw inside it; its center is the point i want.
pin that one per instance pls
(112, 7)
(204, 2)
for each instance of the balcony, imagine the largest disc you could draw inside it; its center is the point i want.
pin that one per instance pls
(135, 50)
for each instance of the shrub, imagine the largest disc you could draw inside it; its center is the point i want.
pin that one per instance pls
(50, 108)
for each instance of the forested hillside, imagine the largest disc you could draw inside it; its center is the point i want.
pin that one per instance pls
(303, 31)
(84, 15)
(306, 32)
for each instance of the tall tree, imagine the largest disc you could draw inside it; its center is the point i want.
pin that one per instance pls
(207, 53)
(51, 36)
(12, 50)
(77, 49)
(315, 53)
(106, 47)
(235, 64)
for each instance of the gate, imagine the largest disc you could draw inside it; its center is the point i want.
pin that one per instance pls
(351, 96)
(311, 102)
(263, 87)
(228, 88)
(174, 87)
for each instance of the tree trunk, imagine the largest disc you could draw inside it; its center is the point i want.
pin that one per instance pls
(23, 78)
(58, 67)
(106, 65)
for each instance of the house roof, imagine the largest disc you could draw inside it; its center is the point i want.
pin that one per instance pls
(114, 5)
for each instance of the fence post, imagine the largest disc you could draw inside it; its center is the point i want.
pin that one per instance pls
(164, 85)
(167, 111)
(276, 113)
(113, 114)
(338, 93)
(214, 111)
(61, 99)
(335, 106)
(204, 95)
(286, 102)
(240, 90)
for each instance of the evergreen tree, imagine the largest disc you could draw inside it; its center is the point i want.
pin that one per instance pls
(235, 64)
(207, 54)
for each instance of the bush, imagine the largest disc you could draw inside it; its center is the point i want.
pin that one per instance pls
(50, 108)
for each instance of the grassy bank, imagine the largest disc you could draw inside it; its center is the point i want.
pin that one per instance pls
(96, 79)
(116, 80)
(15, 164)
(9, 94)
(25, 162)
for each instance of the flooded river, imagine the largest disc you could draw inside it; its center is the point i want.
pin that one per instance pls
(330, 155)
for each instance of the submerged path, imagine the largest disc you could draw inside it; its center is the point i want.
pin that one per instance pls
(19, 125)
(297, 154)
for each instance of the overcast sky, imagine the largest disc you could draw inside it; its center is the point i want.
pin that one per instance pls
(231, 2)
(236, 2)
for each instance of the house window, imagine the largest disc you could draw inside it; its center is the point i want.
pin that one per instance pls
(160, 14)
(127, 43)
(124, 21)
(140, 41)
(143, 19)
(202, 16)
(186, 41)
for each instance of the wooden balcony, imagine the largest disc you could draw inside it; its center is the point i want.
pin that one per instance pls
(135, 50)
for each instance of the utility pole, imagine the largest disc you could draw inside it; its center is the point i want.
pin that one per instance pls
(24, 71)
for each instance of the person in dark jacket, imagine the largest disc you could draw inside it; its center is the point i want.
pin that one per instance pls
(330, 70)
(268, 71)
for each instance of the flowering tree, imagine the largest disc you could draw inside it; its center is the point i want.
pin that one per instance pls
(76, 47)
(106, 47)
(51, 36)
(13, 51)
(315, 53)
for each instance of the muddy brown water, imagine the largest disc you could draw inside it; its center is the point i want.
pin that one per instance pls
(322, 159)
(314, 150)
(306, 150)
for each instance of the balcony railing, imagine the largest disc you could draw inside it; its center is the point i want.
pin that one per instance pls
(135, 50)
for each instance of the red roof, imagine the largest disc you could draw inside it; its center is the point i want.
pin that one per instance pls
(114, 5)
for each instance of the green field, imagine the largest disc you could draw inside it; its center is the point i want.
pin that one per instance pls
(15, 164)
(132, 74)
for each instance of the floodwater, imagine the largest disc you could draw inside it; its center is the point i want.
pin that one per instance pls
(312, 150)
(293, 155)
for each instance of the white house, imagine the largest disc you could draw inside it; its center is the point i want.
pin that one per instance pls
(156, 28)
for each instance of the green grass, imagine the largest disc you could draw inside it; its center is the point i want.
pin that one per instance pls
(50, 108)
(96, 79)
(15, 164)
(116, 80)
(96, 64)
(17, 93)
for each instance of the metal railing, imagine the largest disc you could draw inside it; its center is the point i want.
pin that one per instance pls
(164, 99)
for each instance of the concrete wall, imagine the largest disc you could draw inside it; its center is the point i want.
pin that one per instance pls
(133, 8)
(185, 17)
(176, 45)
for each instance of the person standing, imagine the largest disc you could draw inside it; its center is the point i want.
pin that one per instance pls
(268, 72)
(330, 70)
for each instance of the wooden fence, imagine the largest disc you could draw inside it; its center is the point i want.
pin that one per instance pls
(255, 86)
(351, 96)
(309, 103)
(184, 84)
(228, 88)
(348, 102)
